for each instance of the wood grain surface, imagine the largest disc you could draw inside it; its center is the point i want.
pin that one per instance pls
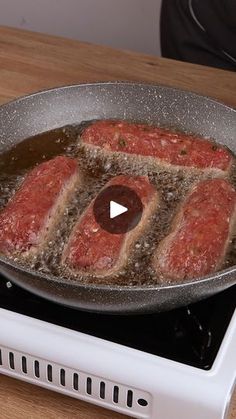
(30, 62)
(232, 409)
(26, 401)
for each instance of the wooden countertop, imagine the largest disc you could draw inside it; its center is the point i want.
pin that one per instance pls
(30, 62)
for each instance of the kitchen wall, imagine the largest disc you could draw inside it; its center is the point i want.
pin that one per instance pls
(130, 24)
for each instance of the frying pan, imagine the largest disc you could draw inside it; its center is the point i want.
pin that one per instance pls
(55, 108)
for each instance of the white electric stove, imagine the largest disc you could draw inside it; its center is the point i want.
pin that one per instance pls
(178, 364)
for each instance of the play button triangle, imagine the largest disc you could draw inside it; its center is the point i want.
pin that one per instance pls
(116, 209)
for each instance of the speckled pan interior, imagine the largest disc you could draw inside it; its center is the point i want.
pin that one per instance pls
(55, 108)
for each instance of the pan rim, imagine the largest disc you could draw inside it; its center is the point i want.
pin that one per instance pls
(131, 288)
(115, 83)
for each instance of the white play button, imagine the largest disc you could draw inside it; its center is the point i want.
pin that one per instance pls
(116, 209)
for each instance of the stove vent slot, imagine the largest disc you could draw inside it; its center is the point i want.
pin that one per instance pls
(49, 373)
(11, 360)
(36, 369)
(24, 364)
(129, 398)
(102, 390)
(89, 386)
(116, 394)
(63, 377)
(76, 383)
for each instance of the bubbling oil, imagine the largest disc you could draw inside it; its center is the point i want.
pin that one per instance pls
(96, 170)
